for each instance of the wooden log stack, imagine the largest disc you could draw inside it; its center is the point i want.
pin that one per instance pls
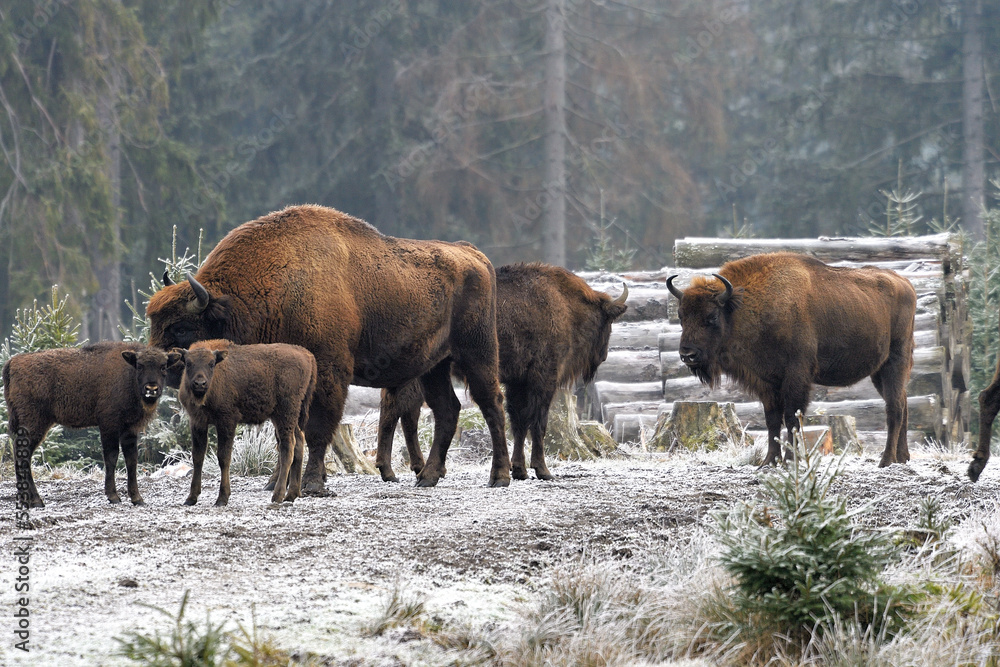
(643, 374)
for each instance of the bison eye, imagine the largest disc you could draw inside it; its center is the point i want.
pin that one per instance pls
(713, 319)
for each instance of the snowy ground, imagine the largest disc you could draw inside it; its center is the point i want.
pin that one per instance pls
(316, 571)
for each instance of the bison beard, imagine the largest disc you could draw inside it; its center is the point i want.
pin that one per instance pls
(778, 323)
(374, 310)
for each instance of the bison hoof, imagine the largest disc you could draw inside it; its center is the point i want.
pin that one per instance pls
(114, 500)
(518, 473)
(976, 469)
(315, 489)
(543, 474)
(499, 482)
(427, 482)
(190, 501)
(139, 503)
(269, 486)
(387, 474)
(36, 503)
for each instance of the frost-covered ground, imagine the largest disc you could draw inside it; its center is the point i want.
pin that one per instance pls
(316, 571)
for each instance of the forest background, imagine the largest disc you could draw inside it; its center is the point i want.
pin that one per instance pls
(589, 133)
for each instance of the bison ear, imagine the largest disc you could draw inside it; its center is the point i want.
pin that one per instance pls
(175, 356)
(220, 356)
(129, 356)
(734, 301)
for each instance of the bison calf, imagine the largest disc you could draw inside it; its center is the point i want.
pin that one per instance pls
(225, 384)
(553, 330)
(113, 386)
(778, 323)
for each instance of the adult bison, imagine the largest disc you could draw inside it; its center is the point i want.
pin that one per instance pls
(553, 330)
(778, 323)
(374, 310)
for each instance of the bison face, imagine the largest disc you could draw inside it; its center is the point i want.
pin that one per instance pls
(151, 366)
(199, 368)
(182, 313)
(705, 312)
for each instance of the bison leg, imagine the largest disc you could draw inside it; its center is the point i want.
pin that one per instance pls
(199, 445)
(286, 451)
(272, 480)
(109, 443)
(130, 450)
(526, 409)
(25, 444)
(989, 406)
(399, 403)
(440, 396)
(890, 382)
(324, 416)
(485, 390)
(226, 434)
(295, 474)
(773, 417)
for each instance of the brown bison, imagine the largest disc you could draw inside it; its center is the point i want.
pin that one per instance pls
(226, 384)
(780, 322)
(374, 310)
(553, 330)
(114, 386)
(989, 406)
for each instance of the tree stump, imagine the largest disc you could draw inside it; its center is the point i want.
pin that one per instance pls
(843, 431)
(597, 438)
(698, 425)
(562, 435)
(344, 456)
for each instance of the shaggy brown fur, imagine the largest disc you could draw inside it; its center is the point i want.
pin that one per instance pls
(553, 330)
(374, 310)
(989, 406)
(225, 384)
(114, 386)
(792, 321)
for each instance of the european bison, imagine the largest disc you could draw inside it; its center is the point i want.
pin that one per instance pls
(989, 406)
(553, 330)
(226, 384)
(778, 323)
(374, 310)
(114, 386)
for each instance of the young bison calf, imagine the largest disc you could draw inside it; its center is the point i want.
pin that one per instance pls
(113, 386)
(225, 384)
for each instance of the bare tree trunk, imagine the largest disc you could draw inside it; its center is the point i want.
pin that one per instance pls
(972, 118)
(386, 211)
(554, 222)
(106, 306)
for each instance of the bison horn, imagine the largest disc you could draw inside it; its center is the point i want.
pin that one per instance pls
(620, 301)
(167, 282)
(729, 288)
(200, 293)
(673, 290)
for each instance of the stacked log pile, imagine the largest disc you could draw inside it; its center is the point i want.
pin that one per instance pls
(643, 375)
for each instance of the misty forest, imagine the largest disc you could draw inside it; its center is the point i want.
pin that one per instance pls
(625, 140)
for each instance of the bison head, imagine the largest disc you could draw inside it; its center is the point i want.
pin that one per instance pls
(182, 313)
(199, 367)
(706, 309)
(151, 366)
(611, 310)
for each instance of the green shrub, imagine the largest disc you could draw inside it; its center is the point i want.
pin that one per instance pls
(800, 560)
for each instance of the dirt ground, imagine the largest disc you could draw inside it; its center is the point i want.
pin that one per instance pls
(317, 570)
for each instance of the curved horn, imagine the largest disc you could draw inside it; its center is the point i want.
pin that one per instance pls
(620, 301)
(167, 282)
(200, 293)
(673, 290)
(729, 287)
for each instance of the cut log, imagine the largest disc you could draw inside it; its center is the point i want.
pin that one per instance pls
(690, 388)
(628, 428)
(621, 392)
(924, 413)
(638, 335)
(598, 439)
(843, 431)
(708, 252)
(630, 366)
(562, 435)
(698, 425)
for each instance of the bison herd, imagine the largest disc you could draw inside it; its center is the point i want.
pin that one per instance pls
(290, 309)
